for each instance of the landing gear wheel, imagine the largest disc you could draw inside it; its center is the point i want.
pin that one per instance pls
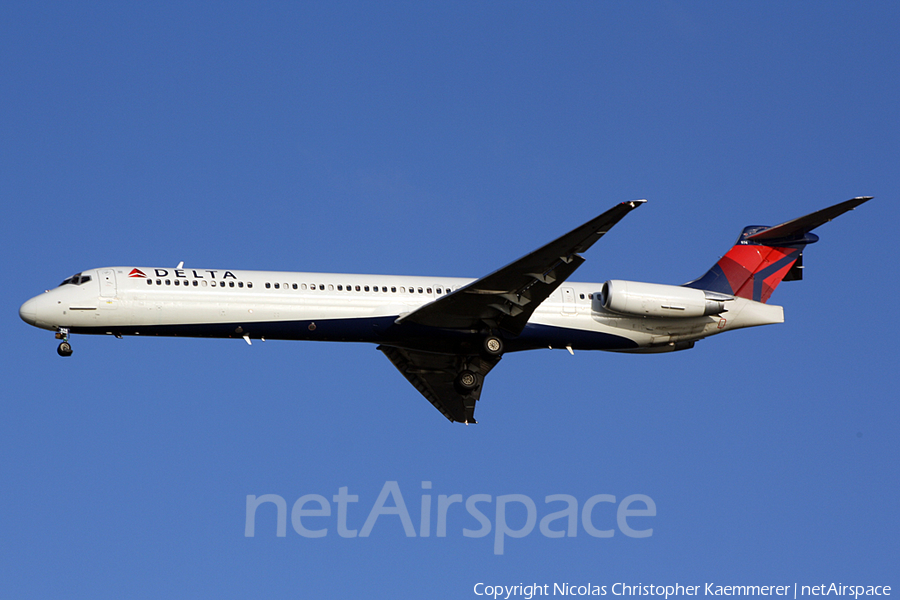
(466, 381)
(64, 349)
(493, 346)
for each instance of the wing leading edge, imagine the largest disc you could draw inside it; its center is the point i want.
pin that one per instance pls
(501, 301)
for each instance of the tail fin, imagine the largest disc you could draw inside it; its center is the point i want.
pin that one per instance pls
(763, 256)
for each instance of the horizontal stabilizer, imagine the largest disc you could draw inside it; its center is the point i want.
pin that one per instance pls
(798, 228)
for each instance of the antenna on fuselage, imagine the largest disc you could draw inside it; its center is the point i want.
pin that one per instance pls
(181, 264)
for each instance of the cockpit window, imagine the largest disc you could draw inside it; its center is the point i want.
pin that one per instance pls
(76, 279)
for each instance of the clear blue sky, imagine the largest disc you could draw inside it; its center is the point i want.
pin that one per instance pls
(446, 139)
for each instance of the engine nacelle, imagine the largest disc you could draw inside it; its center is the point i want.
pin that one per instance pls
(657, 300)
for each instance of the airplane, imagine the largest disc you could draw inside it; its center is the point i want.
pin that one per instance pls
(444, 334)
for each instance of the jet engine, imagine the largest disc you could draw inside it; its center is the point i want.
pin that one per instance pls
(657, 300)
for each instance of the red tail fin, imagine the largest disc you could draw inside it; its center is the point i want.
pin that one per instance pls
(763, 257)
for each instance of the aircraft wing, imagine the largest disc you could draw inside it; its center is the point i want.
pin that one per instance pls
(434, 374)
(506, 298)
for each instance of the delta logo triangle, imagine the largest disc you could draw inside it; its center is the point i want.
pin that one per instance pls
(137, 273)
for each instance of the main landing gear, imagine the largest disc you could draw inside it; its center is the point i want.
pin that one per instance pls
(466, 381)
(492, 346)
(65, 348)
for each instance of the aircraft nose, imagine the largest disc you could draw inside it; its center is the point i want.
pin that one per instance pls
(28, 311)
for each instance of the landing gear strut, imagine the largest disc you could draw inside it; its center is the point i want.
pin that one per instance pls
(65, 348)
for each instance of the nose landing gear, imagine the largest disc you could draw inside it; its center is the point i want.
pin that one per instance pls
(65, 348)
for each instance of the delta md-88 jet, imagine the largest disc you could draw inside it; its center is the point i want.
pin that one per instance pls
(444, 334)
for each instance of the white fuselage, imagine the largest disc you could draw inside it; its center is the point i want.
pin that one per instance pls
(340, 307)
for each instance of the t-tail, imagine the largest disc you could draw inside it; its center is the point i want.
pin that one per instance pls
(763, 256)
